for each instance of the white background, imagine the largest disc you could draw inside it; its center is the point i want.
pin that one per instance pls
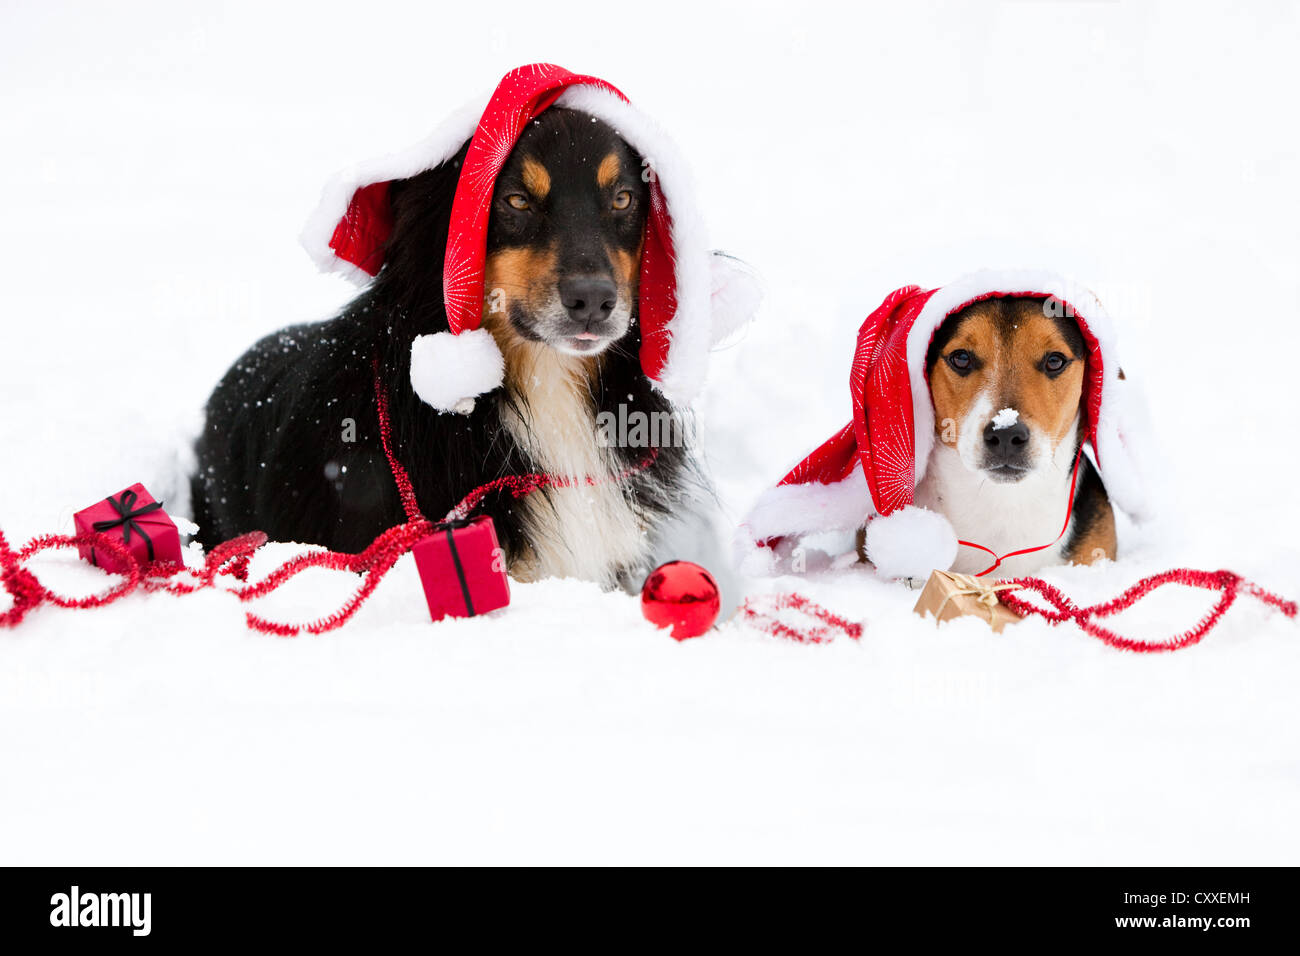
(158, 164)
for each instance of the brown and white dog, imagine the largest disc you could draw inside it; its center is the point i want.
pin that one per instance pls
(1006, 378)
(974, 405)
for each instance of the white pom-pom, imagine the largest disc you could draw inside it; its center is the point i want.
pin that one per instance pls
(737, 295)
(450, 371)
(910, 543)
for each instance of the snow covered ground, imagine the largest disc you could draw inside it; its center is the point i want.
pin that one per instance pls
(159, 164)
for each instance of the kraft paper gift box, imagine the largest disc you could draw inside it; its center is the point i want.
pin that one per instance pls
(462, 569)
(138, 521)
(947, 595)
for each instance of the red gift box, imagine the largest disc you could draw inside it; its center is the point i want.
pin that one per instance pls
(462, 569)
(138, 521)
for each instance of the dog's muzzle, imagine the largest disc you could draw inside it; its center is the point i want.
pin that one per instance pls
(1006, 452)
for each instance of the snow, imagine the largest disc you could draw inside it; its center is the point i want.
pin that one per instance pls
(1005, 419)
(160, 166)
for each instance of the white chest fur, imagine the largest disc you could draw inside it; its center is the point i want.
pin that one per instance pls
(1003, 517)
(585, 531)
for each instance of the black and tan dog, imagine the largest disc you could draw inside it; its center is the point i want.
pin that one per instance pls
(568, 216)
(1006, 379)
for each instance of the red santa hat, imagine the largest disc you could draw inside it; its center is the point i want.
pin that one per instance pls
(689, 298)
(867, 473)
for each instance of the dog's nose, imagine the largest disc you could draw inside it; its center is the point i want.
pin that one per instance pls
(1006, 444)
(588, 298)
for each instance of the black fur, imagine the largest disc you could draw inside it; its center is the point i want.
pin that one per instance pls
(272, 455)
(1091, 506)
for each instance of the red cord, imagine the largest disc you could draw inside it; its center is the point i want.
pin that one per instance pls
(517, 485)
(1066, 610)
(520, 485)
(400, 477)
(1069, 510)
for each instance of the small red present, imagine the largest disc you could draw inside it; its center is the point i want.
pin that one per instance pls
(133, 516)
(462, 569)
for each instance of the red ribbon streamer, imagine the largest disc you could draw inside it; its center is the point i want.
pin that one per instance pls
(232, 557)
(762, 610)
(1063, 609)
(1069, 510)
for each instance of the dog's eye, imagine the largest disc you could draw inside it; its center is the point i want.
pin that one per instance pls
(961, 361)
(622, 199)
(1053, 362)
(517, 201)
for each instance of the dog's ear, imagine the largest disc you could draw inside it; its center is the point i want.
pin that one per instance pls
(421, 210)
(425, 194)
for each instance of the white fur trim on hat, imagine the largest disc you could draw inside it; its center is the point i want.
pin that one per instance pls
(795, 510)
(433, 150)
(811, 507)
(450, 371)
(910, 543)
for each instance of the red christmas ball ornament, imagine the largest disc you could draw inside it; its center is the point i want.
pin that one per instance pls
(683, 596)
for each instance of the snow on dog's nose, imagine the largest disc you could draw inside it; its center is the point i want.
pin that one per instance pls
(1006, 446)
(1001, 446)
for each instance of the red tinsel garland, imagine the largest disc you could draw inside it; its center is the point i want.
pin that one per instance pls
(1066, 610)
(28, 593)
(761, 610)
(232, 557)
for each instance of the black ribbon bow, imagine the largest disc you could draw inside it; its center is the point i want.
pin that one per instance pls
(124, 505)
